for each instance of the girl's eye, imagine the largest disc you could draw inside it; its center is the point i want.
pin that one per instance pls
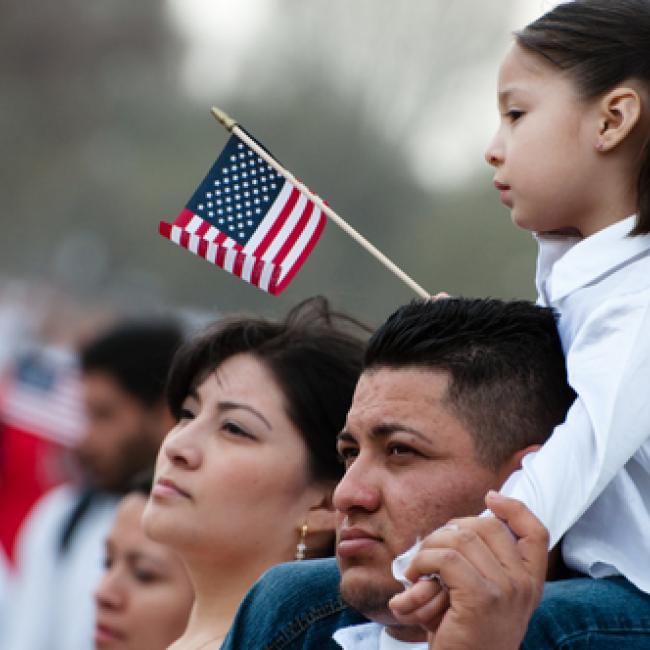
(108, 562)
(513, 114)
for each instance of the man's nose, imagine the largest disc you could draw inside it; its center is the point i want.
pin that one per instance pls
(358, 489)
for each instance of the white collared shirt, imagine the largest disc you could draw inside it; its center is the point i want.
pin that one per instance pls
(372, 636)
(592, 477)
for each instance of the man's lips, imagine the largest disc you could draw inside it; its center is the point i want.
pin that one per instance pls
(165, 487)
(354, 540)
(105, 634)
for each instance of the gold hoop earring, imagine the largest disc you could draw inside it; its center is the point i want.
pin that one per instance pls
(301, 546)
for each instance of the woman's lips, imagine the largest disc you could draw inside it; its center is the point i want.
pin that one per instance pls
(106, 634)
(355, 540)
(165, 487)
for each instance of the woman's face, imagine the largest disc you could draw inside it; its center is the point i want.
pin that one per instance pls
(144, 598)
(233, 473)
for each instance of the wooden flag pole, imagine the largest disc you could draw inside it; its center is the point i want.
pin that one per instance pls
(232, 126)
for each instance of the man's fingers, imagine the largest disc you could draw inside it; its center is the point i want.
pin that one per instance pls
(428, 615)
(533, 536)
(463, 540)
(414, 597)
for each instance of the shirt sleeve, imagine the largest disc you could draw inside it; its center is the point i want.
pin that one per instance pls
(608, 366)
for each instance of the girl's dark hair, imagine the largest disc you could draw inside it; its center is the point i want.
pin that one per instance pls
(315, 355)
(599, 43)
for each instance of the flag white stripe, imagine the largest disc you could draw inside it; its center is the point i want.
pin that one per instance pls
(247, 268)
(285, 232)
(193, 244)
(265, 277)
(270, 218)
(211, 254)
(229, 261)
(300, 243)
(194, 224)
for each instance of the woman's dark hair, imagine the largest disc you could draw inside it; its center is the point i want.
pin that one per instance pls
(599, 43)
(314, 354)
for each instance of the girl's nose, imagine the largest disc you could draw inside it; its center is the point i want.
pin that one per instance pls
(494, 153)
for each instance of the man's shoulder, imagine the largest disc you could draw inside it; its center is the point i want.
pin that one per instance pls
(293, 605)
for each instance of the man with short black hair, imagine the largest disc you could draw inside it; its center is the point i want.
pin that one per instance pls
(61, 546)
(453, 395)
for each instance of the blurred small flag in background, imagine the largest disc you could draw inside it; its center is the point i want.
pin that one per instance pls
(249, 220)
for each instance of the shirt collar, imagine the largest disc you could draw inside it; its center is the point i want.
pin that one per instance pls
(359, 637)
(370, 636)
(572, 263)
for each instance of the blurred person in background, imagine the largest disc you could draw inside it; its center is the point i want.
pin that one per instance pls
(245, 478)
(60, 547)
(144, 597)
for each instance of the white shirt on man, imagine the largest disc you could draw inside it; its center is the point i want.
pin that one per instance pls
(591, 479)
(372, 636)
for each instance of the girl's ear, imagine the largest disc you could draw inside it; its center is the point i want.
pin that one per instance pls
(619, 113)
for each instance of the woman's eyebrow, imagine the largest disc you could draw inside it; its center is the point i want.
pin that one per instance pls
(230, 406)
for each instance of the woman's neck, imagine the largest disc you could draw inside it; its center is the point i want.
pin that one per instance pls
(218, 590)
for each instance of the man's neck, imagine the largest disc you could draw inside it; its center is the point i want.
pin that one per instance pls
(408, 634)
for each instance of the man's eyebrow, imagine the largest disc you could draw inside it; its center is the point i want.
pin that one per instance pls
(387, 428)
(384, 430)
(230, 406)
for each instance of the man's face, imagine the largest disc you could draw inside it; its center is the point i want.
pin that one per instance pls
(122, 435)
(410, 467)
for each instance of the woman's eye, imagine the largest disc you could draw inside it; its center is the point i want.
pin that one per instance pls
(236, 430)
(108, 562)
(144, 575)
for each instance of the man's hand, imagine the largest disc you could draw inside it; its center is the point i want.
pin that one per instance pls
(489, 581)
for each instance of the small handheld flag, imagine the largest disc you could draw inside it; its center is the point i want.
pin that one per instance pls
(249, 220)
(254, 218)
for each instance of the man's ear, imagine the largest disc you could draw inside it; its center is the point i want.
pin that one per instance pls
(619, 111)
(514, 462)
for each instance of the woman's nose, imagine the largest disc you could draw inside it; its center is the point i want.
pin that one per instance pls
(109, 594)
(181, 446)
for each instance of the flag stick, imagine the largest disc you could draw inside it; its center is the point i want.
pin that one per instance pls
(232, 126)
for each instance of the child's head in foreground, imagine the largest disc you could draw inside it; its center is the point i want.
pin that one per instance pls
(572, 152)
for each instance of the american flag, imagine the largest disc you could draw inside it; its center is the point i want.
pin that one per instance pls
(249, 220)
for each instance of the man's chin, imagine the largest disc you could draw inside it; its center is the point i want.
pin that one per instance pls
(367, 592)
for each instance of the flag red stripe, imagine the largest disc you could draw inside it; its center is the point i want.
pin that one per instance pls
(294, 234)
(278, 223)
(301, 259)
(184, 217)
(202, 229)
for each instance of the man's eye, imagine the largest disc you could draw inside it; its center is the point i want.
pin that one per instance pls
(400, 450)
(347, 454)
(185, 414)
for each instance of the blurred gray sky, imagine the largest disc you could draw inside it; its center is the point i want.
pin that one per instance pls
(384, 107)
